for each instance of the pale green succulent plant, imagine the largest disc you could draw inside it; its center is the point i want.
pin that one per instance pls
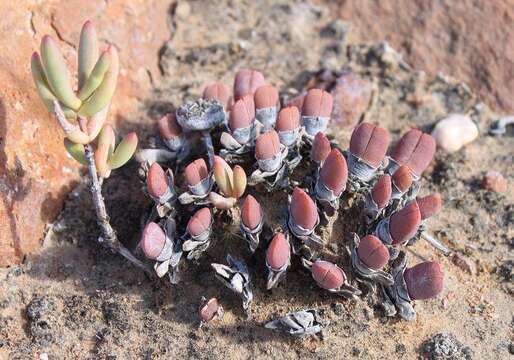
(84, 111)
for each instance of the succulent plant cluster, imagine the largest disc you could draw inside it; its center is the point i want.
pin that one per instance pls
(211, 144)
(81, 112)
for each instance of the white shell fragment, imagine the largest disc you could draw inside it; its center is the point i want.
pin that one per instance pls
(455, 131)
(301, 323)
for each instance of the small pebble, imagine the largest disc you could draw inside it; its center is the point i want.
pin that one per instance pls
(494, 181)
(183, 10)
(455, 131)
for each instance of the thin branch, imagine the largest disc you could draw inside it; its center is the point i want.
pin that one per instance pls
(109, 238)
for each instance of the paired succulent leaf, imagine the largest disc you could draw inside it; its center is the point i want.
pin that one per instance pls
(109, 157)
(97, 79)
(232, 183)
(76, 151)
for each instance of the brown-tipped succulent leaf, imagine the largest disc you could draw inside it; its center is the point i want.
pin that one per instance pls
(288, 125)
(316, 110)
(320, 148)
(266, 104)
(124, 151)
(104, 149)
(57, 73)
(88, 52)
(247, 81)
(103, 94)
(368, 146)
(424, 280)
(429, 205)
(416, 150)
(219, 92)
(76, 151)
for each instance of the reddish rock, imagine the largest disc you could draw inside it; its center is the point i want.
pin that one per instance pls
(35, 176)
(441, 37)
(352, 95)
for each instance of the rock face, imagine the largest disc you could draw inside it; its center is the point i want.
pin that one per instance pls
(35, 173)
(442, 36)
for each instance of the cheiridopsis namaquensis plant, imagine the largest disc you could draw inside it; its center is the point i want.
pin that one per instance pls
(82, 115)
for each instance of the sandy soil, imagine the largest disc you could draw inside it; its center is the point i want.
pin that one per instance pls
(73, 300)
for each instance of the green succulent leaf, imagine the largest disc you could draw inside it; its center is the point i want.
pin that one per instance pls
(103, 94)
(57, 73)
(124, 151)
(88, 52)
(104, 147)
(76, 151)
(96, 76)
(43, 89)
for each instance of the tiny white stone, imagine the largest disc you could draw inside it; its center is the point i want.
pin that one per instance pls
(454, 131)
